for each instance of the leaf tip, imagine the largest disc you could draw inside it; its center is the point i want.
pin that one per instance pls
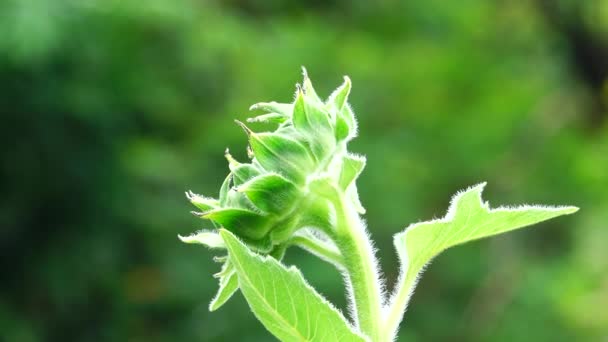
(233, 163)
(473, 190)
(347, 81)
(244, 127)
(570, 209)
(304, 72)
(479, 186)
(213, 307)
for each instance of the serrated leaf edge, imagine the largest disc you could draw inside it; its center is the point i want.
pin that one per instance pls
(291, 269)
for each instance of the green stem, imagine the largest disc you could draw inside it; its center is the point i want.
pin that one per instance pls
(398, 304)
(361, 265)
(319, 248)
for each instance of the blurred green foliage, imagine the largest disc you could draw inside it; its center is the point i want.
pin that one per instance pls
(111, 109)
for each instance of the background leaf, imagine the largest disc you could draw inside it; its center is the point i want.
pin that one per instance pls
(111, 109)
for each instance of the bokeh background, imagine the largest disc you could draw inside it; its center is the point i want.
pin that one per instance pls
(112, 109)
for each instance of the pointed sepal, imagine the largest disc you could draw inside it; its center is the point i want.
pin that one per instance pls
(269, 118)
(201, 202)
(271, 193)
(210, 239)
(241, 221)
(313, 122)
(339, 97)
(308, 89)
(282, 154)
(283, 109)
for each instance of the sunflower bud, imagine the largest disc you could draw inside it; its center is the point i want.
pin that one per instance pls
(295, 173)
(277, 193)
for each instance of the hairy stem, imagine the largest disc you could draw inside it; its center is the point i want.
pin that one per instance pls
(398, 303)
(319, 248)
(361, 267)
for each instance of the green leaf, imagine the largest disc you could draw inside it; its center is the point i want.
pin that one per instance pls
(282, 300)
(468, 218)
(352, 166)
(228, 285)
(271, 193)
